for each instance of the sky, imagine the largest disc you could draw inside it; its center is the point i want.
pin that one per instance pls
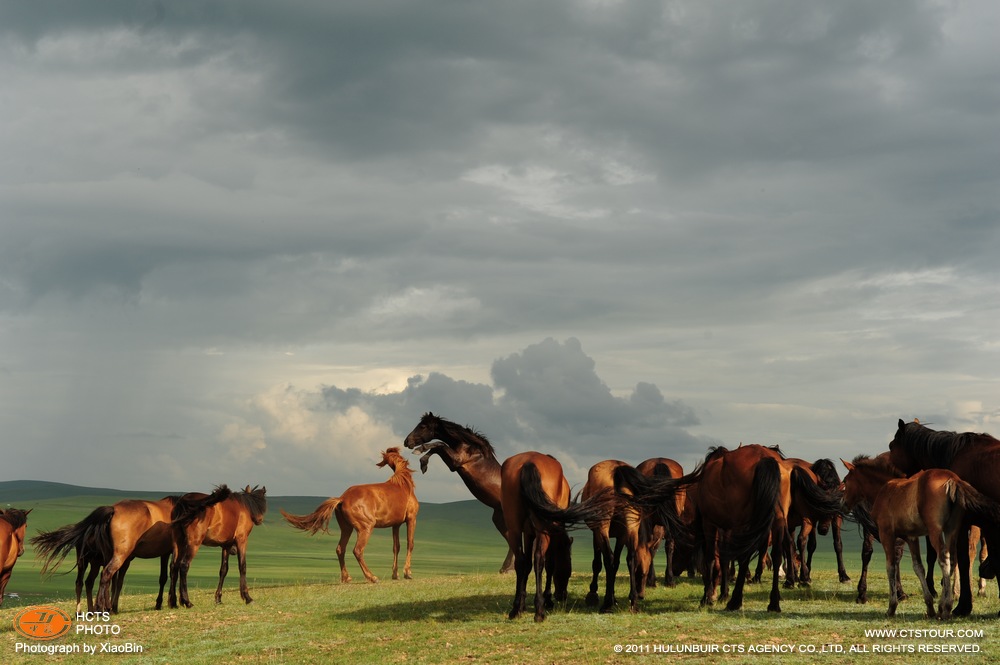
(252, 242)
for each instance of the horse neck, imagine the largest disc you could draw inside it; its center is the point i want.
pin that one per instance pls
(872, 480)
(403, 477)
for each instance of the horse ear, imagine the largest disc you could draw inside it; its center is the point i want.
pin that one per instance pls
(901, 424)
(847, 465)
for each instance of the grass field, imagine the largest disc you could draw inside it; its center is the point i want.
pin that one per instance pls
(455, 609)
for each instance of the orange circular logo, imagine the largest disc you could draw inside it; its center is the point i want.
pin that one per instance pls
(42, 622)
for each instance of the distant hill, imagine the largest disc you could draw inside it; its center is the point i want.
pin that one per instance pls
(21, 493)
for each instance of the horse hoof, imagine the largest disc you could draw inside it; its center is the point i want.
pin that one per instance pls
(513, 614)
(845, 578)
(408, 576)
(962, 610)
(539, 618)
(591, 599)
(774, 607)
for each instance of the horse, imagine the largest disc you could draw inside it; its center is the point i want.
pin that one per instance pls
(95, 547)
(367, 507)
(467, 453)
(628, 528)
(535, 500)
(663, 467)
(975, 540)
(741, 498)
(824, 473)
(975, 457)
(13, 523)
(933, 503)
(223, 519)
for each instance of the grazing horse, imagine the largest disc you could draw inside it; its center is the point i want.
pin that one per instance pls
(663, 467)
(823, 473)
(975, 458)
(933, 503)
(368, 507)
(13, 523)
(95, 547)
(222, 519)
(535, 499)
(469, 454)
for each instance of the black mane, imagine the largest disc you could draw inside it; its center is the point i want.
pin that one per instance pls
(938, 449)
(15, 517)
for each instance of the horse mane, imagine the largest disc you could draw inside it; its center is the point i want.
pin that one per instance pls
(777, 449)
(191, 506)
(254, 500)
(402, 474)
(880, 464)
(939, 448)
(15, 517)
(826, 471)
(467, 434)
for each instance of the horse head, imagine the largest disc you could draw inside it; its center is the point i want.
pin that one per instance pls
(393, 459)
(426, 431)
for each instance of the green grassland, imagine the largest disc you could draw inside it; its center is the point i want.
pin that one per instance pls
(455, 608)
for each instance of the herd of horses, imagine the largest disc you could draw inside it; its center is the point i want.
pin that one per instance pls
(735, 505)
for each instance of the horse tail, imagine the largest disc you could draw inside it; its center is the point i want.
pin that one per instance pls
(318, 520)
(862, 515)
(91, 537)
(596, 508)
(764, 492)
(980, 508)
(820, 502)
(662, 487)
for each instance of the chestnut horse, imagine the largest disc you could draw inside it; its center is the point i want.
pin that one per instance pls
(13, 523)
(469, 454)
(933, 503)
(368, 507)
(975, 458)
(535, 499)
(222, 519)
(95, 547)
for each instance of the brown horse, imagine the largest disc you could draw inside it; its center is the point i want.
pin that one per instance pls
(13, 523)
(92, 539)
(933, 503)
(535, 499)
(823, 473)
(222, 519)
(663, 467)
(469, 454)
(368, 507)
(975, 458)
(626, 526)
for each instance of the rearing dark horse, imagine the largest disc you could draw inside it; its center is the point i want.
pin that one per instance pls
(469, 454)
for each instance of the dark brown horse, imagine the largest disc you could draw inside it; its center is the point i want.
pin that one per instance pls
(933, 503)
(976, 459)
(823, 473)
(95, 546)
(221, 519)
(367, 507)
(13, 523)
(627, 528)
(535, 499)
(663, 467)
(469, 454)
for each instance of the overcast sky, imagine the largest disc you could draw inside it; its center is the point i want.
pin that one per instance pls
(252, 242)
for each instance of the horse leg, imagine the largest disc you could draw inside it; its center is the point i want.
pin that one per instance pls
(805, 578)
(918, 568)
(345, 535)
(364, 533)
(710, 562)
(223, 571)
(931, 559)
(613, 564)
(654, 547)
(540, 549)
(508, 562)
(780, 541)
(164, 562)
(900, 594)
(964, 607)
(522, 567)
(669, 548)
(395, 552)
(80, 572)
(241, 562)
(118, 583)
(95, 570)
(838, 548)
(184, 567)
(104, 589)
(411, 525)
(866, 557)
(891, 571)
(595, 568)
(736, 602)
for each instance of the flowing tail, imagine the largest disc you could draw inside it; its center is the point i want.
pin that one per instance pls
(819, 502)
(764, 491)
(90, 537)
(661, 491)
(594, 509)
(981, 509)
(318, 520)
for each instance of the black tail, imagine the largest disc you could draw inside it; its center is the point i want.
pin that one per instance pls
(982, 510)
(826, 471)
(766, 485)
(819, 503)
(862, 515)
(90, 537)
(663, 512)
(594, 509)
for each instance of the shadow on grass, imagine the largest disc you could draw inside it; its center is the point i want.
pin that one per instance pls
(455, 609)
